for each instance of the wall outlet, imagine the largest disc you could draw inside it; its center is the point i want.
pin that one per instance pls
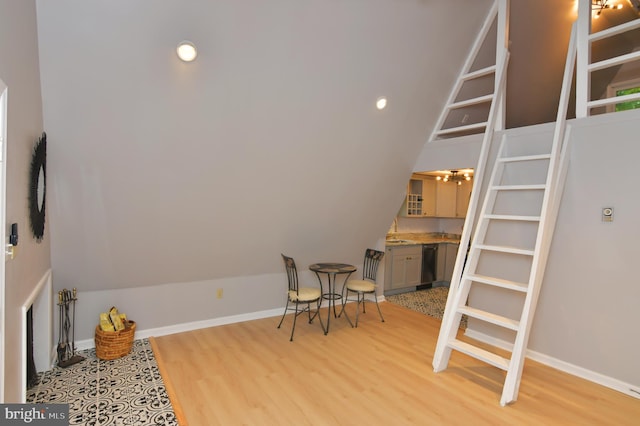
(219, 293)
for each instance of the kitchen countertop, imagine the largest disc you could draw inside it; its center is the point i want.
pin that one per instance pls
(407, 239)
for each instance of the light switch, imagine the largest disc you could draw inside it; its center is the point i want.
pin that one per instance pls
(607, 214)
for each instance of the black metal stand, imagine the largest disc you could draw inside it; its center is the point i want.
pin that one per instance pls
(66, 342)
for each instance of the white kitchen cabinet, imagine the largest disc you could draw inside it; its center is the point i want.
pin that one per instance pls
(452, 253)
(421, 195)
(446, 260)
(414, 198)
(403, 266)
(446, 194)
(463, 196)
(453, 200)
(427, 197)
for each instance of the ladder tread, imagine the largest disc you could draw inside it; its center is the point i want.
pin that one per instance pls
(452, 130)
(518, 187)
(471, 101)
(490, 317)
(512, 217)
(479, 353)
(479, 73)
(505, 249)
(533, 157)
(497, 282)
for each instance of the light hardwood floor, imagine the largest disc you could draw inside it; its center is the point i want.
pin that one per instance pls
(377, 374)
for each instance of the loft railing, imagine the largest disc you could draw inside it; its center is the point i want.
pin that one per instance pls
(584, 66)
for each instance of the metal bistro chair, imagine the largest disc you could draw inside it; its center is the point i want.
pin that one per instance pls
(298, 295)
(367, 285)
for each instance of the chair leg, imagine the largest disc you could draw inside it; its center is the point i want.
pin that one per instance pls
(358, 294)
(295, 317)
(344, 303)
(375, 297)
(315, 314)
(343, 298)
(285, 313)
(324, 330)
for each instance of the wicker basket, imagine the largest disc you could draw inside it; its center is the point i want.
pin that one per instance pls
(114, 344)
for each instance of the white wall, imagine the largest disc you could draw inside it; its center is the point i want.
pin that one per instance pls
(588, 305)
(587, 311)
(19, 70)
(429, 224)
(170, 180)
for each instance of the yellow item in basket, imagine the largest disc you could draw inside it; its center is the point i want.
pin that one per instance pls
(123, 317)
(105, 322)
(115, 319)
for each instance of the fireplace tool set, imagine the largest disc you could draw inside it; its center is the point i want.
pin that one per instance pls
(66, 332)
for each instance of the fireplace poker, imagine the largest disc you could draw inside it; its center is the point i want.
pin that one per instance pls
(61, 348)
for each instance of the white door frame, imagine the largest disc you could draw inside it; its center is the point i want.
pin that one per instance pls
(3, 213)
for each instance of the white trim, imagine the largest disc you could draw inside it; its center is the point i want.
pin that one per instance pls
(196, 325)
(574, 370)
(190, 326)
(44, 283)
(3, 175)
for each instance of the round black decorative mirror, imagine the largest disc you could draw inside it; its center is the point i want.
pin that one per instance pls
(37, 187)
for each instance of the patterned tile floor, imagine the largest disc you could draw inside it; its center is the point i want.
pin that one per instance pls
(429, 302)
(125, 391)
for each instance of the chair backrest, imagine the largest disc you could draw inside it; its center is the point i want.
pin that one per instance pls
(372, 260)
(292, 272)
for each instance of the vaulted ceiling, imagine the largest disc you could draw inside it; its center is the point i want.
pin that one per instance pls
(269, 142)
(168, 172)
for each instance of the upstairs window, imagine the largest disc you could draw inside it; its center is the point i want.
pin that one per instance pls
(622, 88)
(631, 104)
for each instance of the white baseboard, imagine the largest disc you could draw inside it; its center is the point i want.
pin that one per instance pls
(190, 326)
(572, 369)
(196, 325)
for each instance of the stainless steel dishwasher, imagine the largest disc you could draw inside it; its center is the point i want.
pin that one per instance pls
(429, 262)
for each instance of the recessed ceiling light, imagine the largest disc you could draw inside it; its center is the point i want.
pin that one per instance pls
(187, 51)
(381, 103)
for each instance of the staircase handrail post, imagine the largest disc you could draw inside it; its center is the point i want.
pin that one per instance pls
(583, 76)
(502, 46)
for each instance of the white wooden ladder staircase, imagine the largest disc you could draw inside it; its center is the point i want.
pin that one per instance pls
(508, 252)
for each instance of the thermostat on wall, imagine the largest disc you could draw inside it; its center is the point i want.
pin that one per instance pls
(607, 214)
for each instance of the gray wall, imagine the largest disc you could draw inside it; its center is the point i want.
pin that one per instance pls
(20, 72)
(588, 306)
(171, 180)
(586, 316)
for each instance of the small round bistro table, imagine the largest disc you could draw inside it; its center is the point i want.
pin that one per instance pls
(332, 270)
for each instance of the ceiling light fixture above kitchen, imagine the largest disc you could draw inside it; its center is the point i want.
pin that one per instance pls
(455, 177)
(381, 103)
(597, 6)
(187, 51)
